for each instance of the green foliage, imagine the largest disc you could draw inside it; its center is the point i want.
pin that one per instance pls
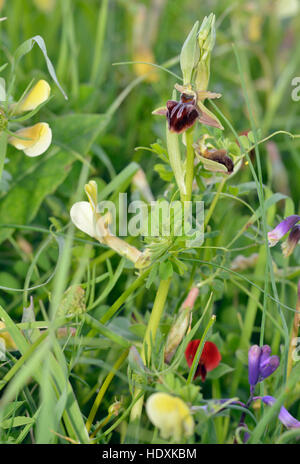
(77, 355)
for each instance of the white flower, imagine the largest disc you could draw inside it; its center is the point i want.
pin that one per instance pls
(85, 217)
(82, 216)
(33, 140)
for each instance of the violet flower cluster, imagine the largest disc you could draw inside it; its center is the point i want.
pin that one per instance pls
(260, 364)
(289, 224)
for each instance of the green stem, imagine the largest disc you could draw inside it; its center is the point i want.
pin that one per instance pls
(118, 303)
(101, 28)
(155, 317)
(149, 339)
(189, 164)
(214, 202)
(103, 389)
(199, 350)
(3, 147)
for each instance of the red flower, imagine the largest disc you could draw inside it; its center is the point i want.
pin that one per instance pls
(209, 359)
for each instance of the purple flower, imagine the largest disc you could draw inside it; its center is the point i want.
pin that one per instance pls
(283, 228)
(260, 364)
(254, 355)
(288, 245)
(284, 416)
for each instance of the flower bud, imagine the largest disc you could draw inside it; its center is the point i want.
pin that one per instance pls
(115, 408)
(268, 367)
(260, 364)
(206, 42)
(253, 364)
(189, 55)
(27, 317)
(181, 324)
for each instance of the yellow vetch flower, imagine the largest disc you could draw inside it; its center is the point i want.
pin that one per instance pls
(37, 95)
(171, 415)
(140, 69)
(33, 140)
(45, 5)
(255, 27)
(9, 343)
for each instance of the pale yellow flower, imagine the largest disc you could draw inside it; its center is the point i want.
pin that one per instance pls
(9, 343)
(33, 140)
(170, 415)
(2, 2)
(140, 182)
(45, 5)
(145, 55)
(86, 218)
(35, 97)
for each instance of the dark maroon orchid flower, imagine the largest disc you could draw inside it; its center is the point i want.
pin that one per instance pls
(210, 357)
(182, 115)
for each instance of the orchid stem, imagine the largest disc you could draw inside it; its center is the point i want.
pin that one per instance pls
(214, 202)
(155, 317)
(189, 164)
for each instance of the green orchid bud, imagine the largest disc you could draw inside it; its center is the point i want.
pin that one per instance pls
(206, 42)
(207, 35)
(189, 55)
